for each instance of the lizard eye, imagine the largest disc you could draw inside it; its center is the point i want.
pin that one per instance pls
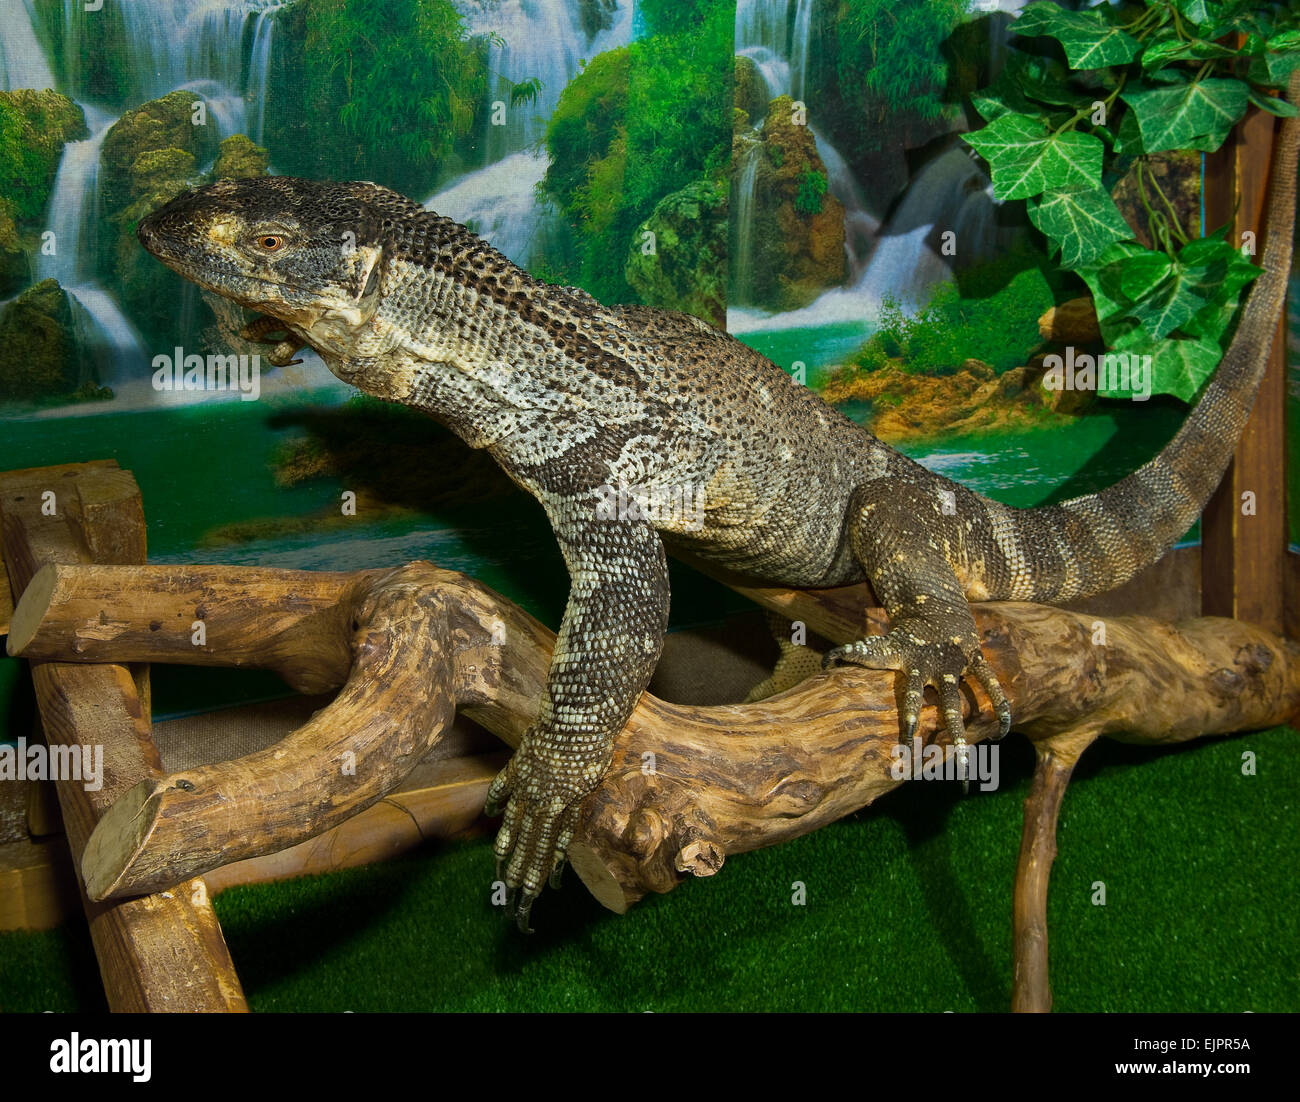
(270, 242)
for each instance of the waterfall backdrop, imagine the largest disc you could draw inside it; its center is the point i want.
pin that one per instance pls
(791, 170)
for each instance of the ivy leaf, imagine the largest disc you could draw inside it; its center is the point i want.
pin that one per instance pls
(1090, 41)
(1188, 114)
(1128, 138)
(1026, 158)
(1171, 49)
(1023, 80)
(1284, 40)
(1083, 223)
(1273, 105)
(1139, 275)
(1181, 367)
(1178, 297)
(1104, 281)
(1200, 11)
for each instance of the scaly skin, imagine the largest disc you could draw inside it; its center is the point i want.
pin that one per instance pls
(571, 398)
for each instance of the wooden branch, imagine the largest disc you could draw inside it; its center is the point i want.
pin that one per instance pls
(688, 786)
(1057, 757)
(393, 708)
(161, 952)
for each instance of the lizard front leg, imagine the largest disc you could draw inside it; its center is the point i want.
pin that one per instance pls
(609, 642)
(906, 546)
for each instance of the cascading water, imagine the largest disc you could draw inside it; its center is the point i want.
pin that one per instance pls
(776, 35)
(532, 39)
(259, 71)
(105, 337)
(220, 49)
(900, 258)
(777, 43)
(195, 44)
(951, 192)
(22, 61)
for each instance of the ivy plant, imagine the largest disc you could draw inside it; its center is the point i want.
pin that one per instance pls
(1137, 80)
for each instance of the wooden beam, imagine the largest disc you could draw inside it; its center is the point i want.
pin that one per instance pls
(159, 952)
(1242, 565)
(439, 800)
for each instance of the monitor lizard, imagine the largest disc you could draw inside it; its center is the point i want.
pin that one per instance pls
(575, 399)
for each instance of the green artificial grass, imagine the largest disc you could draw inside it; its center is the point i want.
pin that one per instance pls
(907, 908)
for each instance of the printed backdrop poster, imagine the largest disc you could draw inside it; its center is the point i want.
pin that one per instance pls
(792, 170)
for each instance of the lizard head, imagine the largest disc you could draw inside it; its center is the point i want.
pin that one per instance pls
(306, 253)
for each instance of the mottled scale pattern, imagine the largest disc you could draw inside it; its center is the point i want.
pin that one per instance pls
(575, 399)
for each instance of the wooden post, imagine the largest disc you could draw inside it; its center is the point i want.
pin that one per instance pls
(1243, 554)
(159, 952)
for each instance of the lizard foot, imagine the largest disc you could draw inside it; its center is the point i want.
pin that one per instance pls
(262, 331)
(928, 662)
(541, 814)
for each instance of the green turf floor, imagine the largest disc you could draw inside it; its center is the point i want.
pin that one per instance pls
(907, 907)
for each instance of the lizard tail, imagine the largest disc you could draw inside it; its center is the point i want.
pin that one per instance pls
(1101, 540)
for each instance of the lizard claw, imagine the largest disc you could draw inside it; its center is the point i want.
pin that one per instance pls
(540, 816)
(939, 664)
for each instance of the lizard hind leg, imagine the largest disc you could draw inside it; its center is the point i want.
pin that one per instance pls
(933, 640)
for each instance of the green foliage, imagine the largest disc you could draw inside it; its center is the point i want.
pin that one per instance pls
(1143, 79)
(895, 51)
(525, 92)
(636, 125)
(390, 85)
(776, 154)
(993, 313)
(812, 188)
(673, 16)
(33, 127)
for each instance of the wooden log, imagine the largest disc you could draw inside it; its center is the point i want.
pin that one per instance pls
(161, 952)
(722, 780)
(396, 704)
(441, 799)
(290, 621)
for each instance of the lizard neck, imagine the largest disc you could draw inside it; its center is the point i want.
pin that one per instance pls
(499, 357)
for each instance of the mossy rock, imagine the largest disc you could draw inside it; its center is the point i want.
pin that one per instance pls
(14, 267)
(596, 15)
(165, 123)
(34, 127)
(240, 159)
(687, 270)
(38, 347)
(750, 89)
(151, 155)
(796, 246)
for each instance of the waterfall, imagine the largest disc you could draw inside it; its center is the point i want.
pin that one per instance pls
(901, 260)
(105, 337)
(950, 192)
(742, 220)
(259, 70)
(531, 39)
(198, 45)
(776, 35)
(22, 61)
(778, 39)
(535, 39)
